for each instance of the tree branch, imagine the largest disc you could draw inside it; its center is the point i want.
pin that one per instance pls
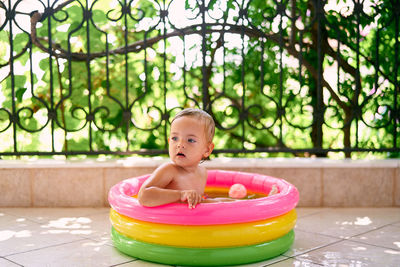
(59, 52)
(17, 55)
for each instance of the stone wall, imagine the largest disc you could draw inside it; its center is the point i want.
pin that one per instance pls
(321, 182)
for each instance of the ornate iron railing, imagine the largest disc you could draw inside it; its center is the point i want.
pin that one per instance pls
(97, 77)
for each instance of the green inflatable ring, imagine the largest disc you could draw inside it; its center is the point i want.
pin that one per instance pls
(202, 256)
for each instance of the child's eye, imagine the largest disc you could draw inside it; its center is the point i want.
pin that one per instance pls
(191, 140)
(174, 138)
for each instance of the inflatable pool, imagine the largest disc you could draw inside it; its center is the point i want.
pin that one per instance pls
(223, 233)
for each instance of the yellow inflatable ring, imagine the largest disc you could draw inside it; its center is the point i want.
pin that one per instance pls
(202, 236)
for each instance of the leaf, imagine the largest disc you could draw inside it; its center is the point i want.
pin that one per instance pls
(99, 16)
(20, 42)
(20, 93)
(44, 64)
(104, 84)
(75, 13)
(20, 81)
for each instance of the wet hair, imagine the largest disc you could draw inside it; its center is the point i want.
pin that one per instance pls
(201, 115)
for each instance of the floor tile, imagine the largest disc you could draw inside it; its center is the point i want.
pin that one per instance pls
(7, 220)
(295, 262)
(7, 263)
(85, 253)
(305, 242)
(303, 212)
(99, 224)
(78, 221)
(140, 263)
(261, 263)
(348, 253)
(41, 215)
(106, 238)
(81, 237)
(348, 222)
(264, 263)
(388, 237)
(25, 235)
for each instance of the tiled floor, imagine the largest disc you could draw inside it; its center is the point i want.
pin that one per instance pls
(81, 237)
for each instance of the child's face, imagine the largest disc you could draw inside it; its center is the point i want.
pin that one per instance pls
(187, 142)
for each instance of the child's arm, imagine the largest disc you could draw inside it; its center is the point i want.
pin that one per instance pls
(153, 192)
(155, 196)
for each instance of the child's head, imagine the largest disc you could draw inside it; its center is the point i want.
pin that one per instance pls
(201, 115)
(190, 141)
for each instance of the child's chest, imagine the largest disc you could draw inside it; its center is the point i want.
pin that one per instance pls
(189, 182)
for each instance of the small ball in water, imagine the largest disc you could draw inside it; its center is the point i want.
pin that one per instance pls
(237, 191)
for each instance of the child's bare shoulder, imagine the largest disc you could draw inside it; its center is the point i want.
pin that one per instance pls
(168, 167)
(202, 170)
(163, 175)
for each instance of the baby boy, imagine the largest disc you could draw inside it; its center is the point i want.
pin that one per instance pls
(182, 179)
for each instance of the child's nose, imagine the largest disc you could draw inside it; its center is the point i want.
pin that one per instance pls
(181, 144)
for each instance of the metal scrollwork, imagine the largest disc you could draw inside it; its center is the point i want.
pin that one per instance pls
(107, 76)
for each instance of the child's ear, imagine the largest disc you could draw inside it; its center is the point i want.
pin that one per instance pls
(210, 148)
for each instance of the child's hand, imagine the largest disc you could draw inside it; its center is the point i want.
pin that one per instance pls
(191, 196)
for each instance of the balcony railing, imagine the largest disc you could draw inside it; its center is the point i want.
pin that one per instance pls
(106, 77)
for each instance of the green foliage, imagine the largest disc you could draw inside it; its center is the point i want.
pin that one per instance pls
(263, 89)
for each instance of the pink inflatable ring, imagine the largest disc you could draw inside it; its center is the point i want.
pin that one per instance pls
(121, 198)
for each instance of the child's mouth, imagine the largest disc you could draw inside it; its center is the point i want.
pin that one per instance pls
(180, 155)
